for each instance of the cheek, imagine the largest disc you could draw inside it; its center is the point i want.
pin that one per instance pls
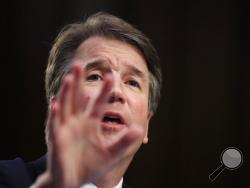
(140, 108)
(86, 97)
(140, 103)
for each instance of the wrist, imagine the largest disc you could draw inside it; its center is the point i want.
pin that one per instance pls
(44, 181)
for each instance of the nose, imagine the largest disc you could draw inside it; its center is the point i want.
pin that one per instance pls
(117, 93)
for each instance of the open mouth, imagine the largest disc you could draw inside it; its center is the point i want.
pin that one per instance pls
(113, 118)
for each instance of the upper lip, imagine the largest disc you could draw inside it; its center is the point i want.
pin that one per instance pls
(120, 116)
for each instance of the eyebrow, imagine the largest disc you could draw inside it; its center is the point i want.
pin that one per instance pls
(95, 64)
(101, 64)
(135, 71)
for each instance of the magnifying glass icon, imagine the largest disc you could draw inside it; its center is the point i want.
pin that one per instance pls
(231, 159)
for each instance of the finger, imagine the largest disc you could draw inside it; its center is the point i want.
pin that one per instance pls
(55, 146)
(53, 121)
(53, 126)
(124, 142)
(77, 98)
(65, 98)
(103, 96)
(49, 121)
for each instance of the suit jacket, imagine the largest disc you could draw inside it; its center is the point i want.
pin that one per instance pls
(18, 174)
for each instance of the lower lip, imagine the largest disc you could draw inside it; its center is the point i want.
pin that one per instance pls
(112, 127)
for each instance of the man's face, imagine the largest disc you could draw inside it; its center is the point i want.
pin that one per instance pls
(128, 99)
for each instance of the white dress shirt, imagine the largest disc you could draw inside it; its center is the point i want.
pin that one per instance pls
(91, 185)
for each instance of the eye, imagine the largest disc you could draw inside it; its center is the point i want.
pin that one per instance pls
(133, 83)
(94, 77)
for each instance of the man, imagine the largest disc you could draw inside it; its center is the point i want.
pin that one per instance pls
(103, 84)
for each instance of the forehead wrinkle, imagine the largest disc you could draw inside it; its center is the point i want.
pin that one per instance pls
(115, 61)
(108, 56)
(111, 54)
(97, 64)
(101, 63)
(129, 69)
(108, 63)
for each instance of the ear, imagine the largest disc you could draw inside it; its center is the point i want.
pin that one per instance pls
(145, 139)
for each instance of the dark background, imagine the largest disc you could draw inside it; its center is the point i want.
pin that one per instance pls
(204, 50)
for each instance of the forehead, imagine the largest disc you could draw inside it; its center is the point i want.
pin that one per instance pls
(115, 52)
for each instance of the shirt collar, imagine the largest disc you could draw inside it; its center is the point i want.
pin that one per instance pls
(91, 185)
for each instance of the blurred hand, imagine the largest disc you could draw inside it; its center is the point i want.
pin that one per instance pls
(78, 150)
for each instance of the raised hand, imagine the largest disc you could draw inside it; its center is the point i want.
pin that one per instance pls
(79, 150)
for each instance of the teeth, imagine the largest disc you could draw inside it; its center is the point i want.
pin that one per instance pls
(112, 118)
